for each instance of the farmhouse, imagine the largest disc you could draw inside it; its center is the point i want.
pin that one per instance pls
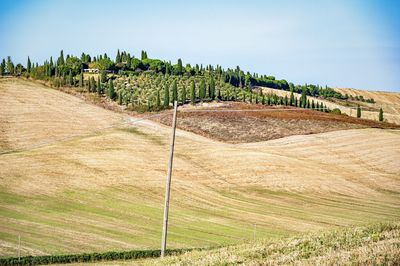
(91, 70)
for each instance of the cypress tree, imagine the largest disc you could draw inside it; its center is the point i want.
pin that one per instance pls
(380, 114)
(49, 70)
(317, 106)
(212, 88)
(166, 96)
(312, 104)
(192, 92)
(143, 55)
(202, 92)
(286, 100)
(263, 100)
(295, 102)
(111, 90)
(180, 67)
(119, 97)
(118, 57)
(70, 79)
(89, 85)
(60, 60)
(158, 102)
(92, 85)
(303, 98)
(3, 67)
(81, 80)
(28, 65)
(358, 111)
(183, 96)
(291, 98)
(10, 66)
(99, 86)
(219, 94)
(308, 104)
(174, 92)
(103, 76)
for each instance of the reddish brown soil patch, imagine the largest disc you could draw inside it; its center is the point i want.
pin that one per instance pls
(238, 122)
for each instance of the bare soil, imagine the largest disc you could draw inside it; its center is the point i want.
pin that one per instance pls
(242, 123)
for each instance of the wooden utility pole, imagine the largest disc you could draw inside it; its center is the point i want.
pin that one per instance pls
(168, 186)
(19, 248)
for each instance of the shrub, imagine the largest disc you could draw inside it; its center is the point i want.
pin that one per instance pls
(86, 257)
(336, 111)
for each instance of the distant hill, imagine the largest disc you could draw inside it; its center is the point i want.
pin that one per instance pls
(389, 101)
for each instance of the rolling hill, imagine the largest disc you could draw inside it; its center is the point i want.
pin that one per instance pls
(389, 101)
(78, 178)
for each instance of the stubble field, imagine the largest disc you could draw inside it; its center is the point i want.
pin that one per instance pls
(77, 178)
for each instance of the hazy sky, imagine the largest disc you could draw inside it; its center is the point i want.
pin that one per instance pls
(345, 43)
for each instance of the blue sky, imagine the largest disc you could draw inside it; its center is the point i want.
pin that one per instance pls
(341, 43)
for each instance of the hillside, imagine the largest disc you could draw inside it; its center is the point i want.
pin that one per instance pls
(235, 122)
(371, 245)
(389, 101)
(78, 178)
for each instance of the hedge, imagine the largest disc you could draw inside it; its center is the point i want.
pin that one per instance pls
(87, 257)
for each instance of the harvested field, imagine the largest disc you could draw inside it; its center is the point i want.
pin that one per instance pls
(104, 190)
(389, 101)
(239, 122)
(28, 118)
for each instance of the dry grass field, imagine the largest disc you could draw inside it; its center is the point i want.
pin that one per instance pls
(78, 178)
(389, 101)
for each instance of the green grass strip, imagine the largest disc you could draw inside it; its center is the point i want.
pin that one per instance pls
(88, 257)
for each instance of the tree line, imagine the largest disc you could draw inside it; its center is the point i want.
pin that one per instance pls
(125, 63)
(203, 83)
